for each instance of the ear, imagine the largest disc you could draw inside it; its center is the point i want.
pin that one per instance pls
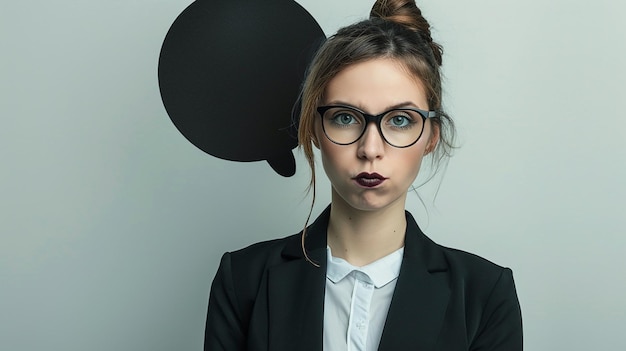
(434, 138)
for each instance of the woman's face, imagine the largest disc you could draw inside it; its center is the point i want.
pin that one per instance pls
(371, 174)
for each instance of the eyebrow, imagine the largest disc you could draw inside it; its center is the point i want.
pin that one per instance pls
(388, 108)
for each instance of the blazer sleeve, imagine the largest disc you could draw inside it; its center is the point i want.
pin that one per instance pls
(224, 327)
(501, 323)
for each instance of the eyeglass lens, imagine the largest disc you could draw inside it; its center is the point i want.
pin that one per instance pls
(400, 127)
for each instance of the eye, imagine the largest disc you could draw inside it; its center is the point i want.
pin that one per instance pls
(344, 118)
(399, 120)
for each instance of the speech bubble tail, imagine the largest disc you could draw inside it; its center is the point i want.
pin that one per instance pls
(283, 164)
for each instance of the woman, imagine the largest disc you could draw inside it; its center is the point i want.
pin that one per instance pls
(363, 276)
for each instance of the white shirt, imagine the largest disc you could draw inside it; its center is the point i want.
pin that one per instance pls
(357, 300)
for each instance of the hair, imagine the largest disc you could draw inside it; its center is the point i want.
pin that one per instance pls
(395, 30)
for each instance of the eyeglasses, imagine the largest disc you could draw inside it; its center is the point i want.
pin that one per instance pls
(399, 127)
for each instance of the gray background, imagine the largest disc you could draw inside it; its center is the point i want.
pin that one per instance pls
(112, 224)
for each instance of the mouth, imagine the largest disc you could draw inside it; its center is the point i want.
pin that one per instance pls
(369, 180)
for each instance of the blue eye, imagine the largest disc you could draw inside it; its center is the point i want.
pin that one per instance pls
(399, 121)
(344, 118)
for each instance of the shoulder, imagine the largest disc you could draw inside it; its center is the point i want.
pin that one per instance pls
(248, 266)
(261, 254)
(266, 254)
(469, 264)
(471, 275)
(457, 263)
(483, 285)
(256, 258)
(474, 272)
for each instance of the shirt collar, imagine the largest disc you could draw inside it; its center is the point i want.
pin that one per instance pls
(381, 272)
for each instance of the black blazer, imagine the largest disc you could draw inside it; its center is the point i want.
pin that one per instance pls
(268, 297)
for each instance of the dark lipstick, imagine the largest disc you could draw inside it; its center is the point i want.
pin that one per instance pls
(369, 180)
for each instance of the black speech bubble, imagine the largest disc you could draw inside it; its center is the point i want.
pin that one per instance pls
(230, 72)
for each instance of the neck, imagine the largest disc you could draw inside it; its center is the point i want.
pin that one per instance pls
(361, 237)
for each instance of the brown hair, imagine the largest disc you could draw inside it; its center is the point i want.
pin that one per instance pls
(397, 30)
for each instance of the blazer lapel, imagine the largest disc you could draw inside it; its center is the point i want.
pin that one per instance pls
(421, 295)
(296, 293)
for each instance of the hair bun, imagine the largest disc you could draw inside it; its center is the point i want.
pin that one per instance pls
(406, 13)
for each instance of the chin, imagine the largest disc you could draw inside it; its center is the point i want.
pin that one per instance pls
(364, 204)
(368, 200)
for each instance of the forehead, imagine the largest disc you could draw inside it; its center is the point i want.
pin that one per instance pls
(374, 85)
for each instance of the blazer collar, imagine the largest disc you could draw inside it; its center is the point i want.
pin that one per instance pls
(296, 290)
(421, 296)
(296, 293)
(315, 240)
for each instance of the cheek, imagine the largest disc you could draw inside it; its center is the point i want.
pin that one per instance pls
(329, 163)
(414, 157)
(328, 152)
(334, 157)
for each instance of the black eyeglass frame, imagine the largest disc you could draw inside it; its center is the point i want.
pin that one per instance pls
(377, 119)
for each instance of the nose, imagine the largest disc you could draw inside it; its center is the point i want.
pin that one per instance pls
(371, 144)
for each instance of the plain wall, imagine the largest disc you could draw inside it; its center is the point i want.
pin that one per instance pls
(112, 224)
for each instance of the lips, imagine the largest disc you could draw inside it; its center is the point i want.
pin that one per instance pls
(369, 180)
